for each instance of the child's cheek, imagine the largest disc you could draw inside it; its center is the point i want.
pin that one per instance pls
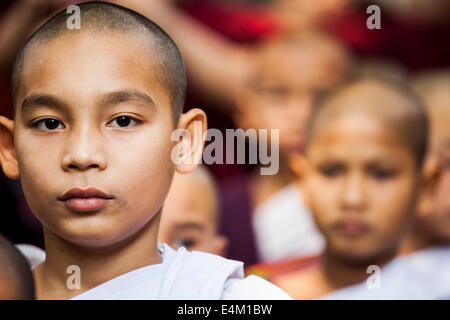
(324, 199)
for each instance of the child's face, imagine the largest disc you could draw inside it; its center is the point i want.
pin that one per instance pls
(361, 185)
(111, 131)
(282, 93)
(189, 217)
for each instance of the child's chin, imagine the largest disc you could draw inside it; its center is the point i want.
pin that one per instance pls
(95, 237)
(355, 252)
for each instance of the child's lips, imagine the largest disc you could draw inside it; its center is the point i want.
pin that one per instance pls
(85, 200)
(352, 227)
(86, 204)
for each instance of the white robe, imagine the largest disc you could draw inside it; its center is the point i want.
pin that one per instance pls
(186, 275)
(421, 275)
(284, 228)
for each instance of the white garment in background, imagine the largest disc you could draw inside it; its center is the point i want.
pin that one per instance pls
(284, 228)
(421, 275)
(34, 255)
(186, 275)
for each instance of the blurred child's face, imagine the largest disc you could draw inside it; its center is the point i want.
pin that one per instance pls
(90, 112)
(189, 217)
(361, 185)
(282, 93)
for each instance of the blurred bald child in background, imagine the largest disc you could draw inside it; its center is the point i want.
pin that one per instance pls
(278, 94)
(191, 215)
(360, 175)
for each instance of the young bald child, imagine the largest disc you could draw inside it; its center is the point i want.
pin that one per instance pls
(16, 279)
(360, 175)
(94, 110)
(191, 215)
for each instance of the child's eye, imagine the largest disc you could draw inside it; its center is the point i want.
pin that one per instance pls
(332, 171)
(275, 93)
(184, 242)
(382, 174)
(48, 124)
(124, 121)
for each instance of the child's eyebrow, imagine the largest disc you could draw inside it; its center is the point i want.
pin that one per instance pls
(109, 99)
(120, 96)
(36, 99)
(189, 225)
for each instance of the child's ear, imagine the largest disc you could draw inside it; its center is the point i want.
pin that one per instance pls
(300, 167)
(8, 158)
(430, 177)
(189, 151)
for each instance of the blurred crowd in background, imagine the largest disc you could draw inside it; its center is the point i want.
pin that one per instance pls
(263, 64)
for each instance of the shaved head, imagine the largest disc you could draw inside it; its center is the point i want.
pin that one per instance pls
(393, 104)
(110, 19)
(16, 279)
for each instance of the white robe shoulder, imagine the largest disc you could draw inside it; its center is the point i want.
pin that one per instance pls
(182, 275)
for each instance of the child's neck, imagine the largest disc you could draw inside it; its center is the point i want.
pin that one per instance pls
(417, 239)
(339, 273)
(96, 266)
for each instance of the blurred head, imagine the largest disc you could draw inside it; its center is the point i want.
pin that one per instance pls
(288, 74)
(360, 174)
(16, 279)
(301, 14)
(190, 216)
(95, 109)
(434, 206)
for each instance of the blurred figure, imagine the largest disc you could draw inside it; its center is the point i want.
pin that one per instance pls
(279, 94)
(360, 176)
(190, 216)
(16, 279)
(432, 226)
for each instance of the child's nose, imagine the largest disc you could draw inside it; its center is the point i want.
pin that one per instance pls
(353, 193)
(84, 151)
